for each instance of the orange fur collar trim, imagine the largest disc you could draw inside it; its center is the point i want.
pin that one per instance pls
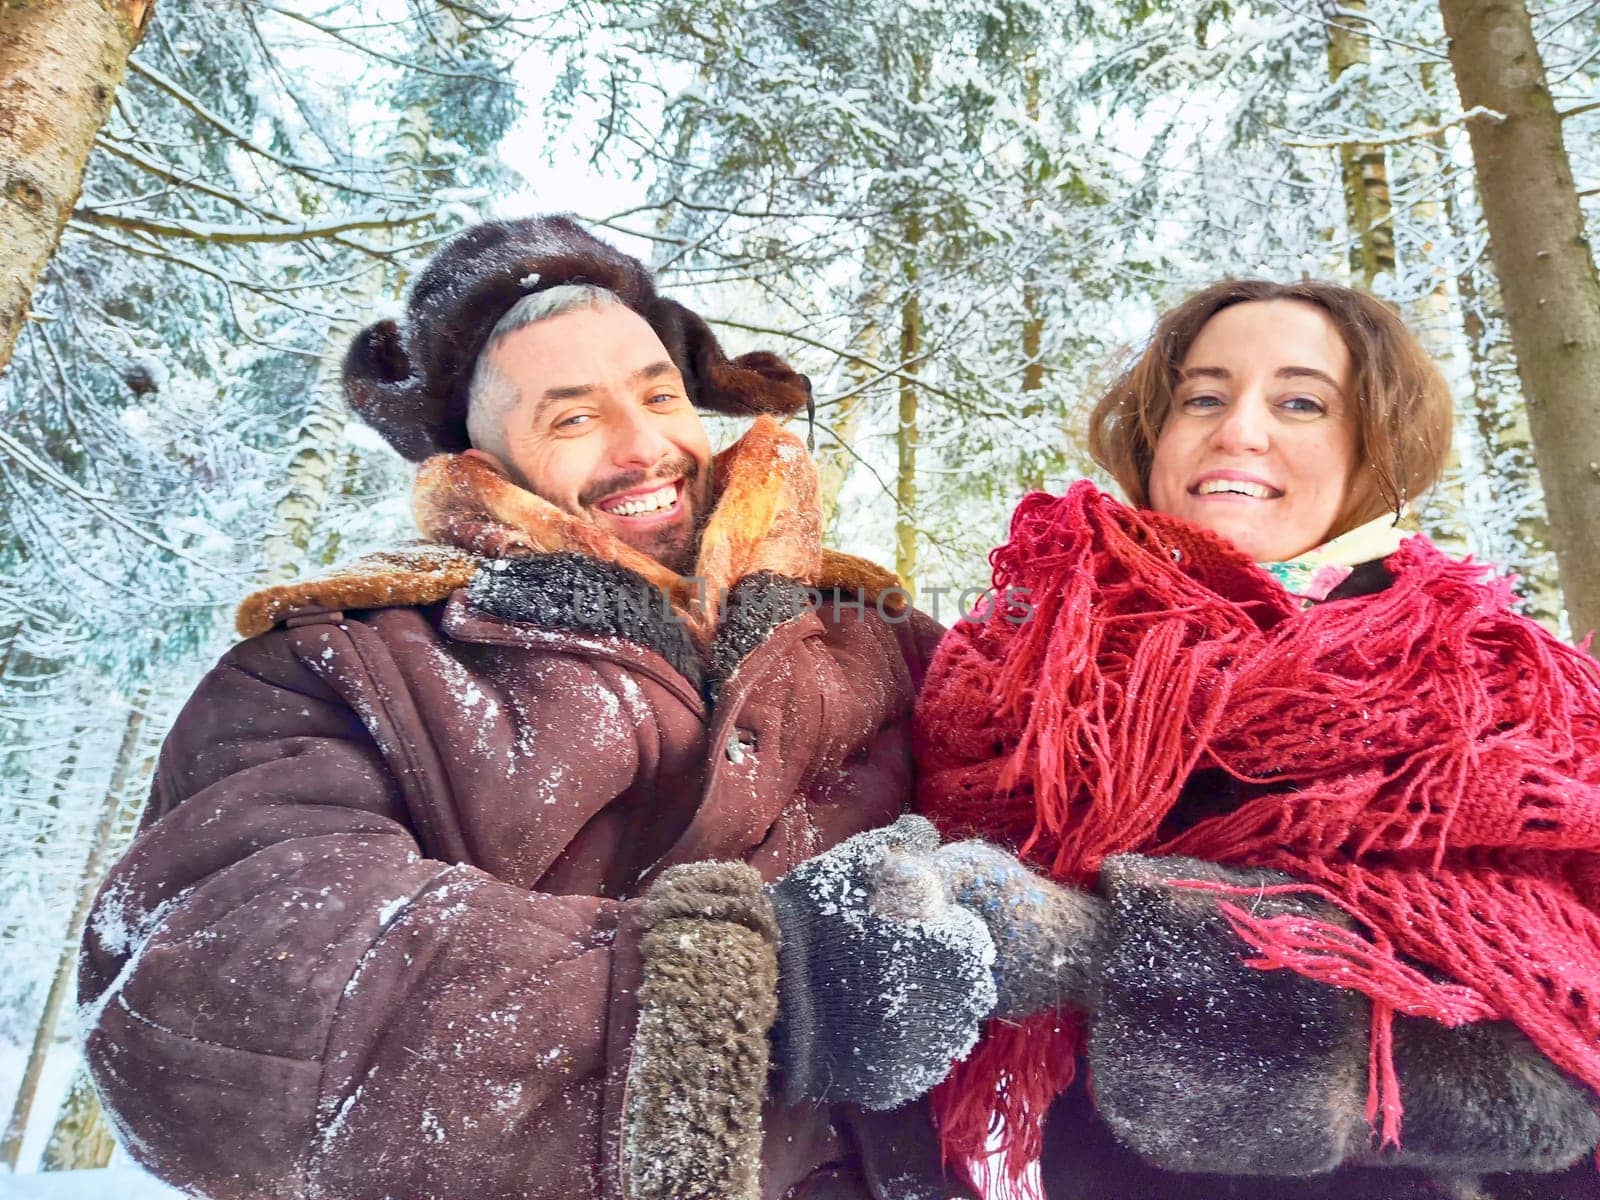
(766, 519)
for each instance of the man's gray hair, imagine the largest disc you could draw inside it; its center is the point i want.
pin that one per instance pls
(491, 392)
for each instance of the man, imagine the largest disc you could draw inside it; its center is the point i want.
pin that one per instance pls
(457, 876)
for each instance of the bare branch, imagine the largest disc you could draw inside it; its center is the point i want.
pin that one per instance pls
(188, 181)
(370, 50)
(903, 371)
(1370, 32)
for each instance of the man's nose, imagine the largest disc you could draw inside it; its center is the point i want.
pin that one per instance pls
(636, 441)
(1246, 426)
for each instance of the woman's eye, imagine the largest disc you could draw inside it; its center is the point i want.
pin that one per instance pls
(1304, 404)
(1203, 401)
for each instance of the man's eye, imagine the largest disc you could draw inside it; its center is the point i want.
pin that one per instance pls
(661, 398)
(575, 421)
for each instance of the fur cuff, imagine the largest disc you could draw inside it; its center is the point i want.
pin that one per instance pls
(707, 1000)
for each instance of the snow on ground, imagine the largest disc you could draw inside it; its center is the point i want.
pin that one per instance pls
(114, 1183)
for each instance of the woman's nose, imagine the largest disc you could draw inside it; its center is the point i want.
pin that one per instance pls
(1245, 428)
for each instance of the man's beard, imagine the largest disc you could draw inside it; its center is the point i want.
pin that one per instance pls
(677, 547)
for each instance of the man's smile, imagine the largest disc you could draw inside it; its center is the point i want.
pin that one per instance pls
(653, 504)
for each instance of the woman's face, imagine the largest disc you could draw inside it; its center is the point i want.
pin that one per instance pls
(1260, 445)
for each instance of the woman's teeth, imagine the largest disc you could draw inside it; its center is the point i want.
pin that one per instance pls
(1212, 486)
(662, 497)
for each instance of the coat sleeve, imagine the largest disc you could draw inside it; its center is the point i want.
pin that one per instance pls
(283, 997)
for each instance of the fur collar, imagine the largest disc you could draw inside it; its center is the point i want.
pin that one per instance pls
(503, 542)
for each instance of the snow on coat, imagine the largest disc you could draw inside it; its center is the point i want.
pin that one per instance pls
(379, 935)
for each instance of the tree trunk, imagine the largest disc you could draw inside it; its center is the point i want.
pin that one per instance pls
(317, 453)
(1032, 298)
(1500, 421)
(1364, 169)
(61, 985)
(82, 1139)
(1032, 318)
(1432, 315)
(346, 471)
(1546, 272)
(60, 64)
(905, 487)
(834, 460)
(1499, 475)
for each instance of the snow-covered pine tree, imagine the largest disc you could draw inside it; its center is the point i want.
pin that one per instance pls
(249, 197)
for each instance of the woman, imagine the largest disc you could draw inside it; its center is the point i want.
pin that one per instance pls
(1341, 803)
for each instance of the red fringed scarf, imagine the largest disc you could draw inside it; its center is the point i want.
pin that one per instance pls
(1424, 758)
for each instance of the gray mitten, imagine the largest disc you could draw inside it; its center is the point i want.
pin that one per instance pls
(1202, 1063)
(873, 1008)
(1048, 939)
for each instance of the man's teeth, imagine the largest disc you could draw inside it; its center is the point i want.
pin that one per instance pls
(662, 497)
(1259, 490)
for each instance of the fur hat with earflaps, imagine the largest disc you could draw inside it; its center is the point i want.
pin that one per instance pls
(410, 382)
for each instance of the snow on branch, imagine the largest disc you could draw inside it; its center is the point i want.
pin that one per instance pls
(1395, 139)
(204, 231)
(312, 171)
(410, 64)
(102, 505)
(183, 178)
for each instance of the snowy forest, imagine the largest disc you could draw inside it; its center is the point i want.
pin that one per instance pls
(957, 218)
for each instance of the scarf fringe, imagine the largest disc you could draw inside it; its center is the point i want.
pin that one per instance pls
(987, 1103)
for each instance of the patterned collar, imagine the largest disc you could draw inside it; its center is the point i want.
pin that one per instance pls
(1312, 575)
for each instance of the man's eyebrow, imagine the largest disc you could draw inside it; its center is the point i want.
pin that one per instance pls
(654, 371)
(563, 393)
(577, 390)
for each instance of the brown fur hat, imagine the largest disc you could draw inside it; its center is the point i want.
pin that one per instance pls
(410, 383)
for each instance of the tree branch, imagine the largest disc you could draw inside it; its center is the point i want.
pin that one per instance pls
(1395, 139)
(309, 171)
(370, 50)
(245, 234)
(104, 506)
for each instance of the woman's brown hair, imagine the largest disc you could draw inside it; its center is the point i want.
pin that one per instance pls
(1402, 403)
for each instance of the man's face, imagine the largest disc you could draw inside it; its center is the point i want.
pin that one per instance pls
(602, 427)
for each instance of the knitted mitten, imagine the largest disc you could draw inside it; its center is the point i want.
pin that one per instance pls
(872, 1008)
(1048, 939)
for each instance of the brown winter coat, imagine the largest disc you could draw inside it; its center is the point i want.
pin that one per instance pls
(381, 934)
